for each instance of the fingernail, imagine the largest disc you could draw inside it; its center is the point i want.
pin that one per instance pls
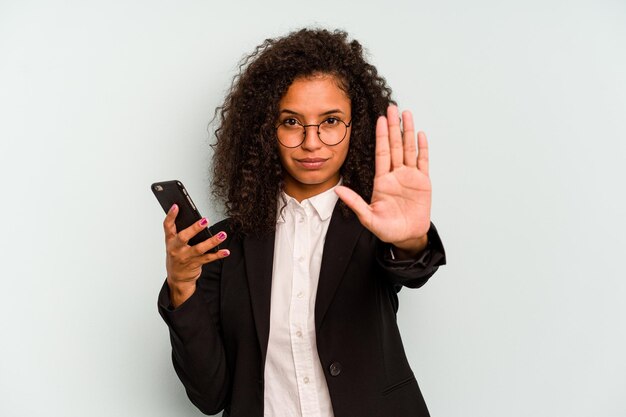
(221, 235)
(172, 208)
(204, 221)
(225, 252)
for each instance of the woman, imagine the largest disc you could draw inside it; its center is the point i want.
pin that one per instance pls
(329, 215)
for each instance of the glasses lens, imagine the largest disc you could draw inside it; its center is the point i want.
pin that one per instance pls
(290, 133)
(332, 131)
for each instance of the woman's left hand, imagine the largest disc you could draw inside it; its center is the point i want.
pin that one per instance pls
(400, 210)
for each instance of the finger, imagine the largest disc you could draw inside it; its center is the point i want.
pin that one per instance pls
(356, 204)
(211, 257)
(395, 137)
(408, 139)
(205, 246)
(382, 147)
(169, 225)
(422, 159)
(192, 230)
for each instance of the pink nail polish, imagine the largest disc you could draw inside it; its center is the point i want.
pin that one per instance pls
(172, 208)
(221, 235)
(225, 252)
(204, 221)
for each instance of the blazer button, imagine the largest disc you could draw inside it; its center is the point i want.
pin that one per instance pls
(335, 369)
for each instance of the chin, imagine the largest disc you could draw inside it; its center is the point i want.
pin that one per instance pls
(312, 179)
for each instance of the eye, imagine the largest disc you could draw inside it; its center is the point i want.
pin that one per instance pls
(332, 121)
(291, 122)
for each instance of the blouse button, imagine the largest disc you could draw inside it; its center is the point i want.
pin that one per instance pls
(335, 369)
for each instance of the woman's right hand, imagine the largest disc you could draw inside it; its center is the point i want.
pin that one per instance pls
(184, 262)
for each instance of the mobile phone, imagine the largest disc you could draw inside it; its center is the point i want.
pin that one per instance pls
(173, 192)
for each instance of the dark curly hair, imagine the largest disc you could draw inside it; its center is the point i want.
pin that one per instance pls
(247, 173)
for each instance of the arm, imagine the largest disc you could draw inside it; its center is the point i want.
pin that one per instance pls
(189, 303)
(197, 348)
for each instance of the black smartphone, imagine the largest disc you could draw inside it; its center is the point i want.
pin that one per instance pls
(173, 192)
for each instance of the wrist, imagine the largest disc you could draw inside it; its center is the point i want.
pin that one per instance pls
(180, 291)
(409, 249)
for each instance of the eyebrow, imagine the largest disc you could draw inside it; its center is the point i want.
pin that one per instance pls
(326, 113)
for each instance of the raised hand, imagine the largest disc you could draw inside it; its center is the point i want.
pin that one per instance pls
(400, 209)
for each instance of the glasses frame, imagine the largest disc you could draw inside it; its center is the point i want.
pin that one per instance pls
(347, 125)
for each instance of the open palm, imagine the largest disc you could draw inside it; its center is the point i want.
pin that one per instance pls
(400, 209)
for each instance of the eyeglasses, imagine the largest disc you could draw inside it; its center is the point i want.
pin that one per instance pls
(332, 131)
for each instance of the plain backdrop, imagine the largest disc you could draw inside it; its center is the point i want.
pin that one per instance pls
(524, 104)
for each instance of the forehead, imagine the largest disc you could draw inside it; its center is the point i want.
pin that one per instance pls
(315, 95)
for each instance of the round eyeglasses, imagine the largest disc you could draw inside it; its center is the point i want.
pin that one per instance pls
(332, 131)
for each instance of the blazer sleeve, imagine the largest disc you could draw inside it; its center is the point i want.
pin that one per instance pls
(412, 273)
(197, 346)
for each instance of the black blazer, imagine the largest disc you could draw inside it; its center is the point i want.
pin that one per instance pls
(220, 334)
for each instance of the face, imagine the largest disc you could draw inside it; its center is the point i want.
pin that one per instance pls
(313, 167)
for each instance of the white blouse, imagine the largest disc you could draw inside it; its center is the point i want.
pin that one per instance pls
(294, 380)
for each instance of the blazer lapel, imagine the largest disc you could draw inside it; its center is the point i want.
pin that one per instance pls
(341, 239)
(259, 255)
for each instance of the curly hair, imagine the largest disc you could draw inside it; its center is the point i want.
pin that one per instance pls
(247, 173)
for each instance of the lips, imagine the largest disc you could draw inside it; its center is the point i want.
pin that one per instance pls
(311, 163)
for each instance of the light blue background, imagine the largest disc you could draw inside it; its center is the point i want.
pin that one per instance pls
(524, 104)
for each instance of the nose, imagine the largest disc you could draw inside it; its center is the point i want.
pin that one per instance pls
(311, 138)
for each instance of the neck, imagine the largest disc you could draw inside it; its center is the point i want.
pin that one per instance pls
(301, 191)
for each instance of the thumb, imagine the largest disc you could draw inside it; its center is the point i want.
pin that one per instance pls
(356, 204)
